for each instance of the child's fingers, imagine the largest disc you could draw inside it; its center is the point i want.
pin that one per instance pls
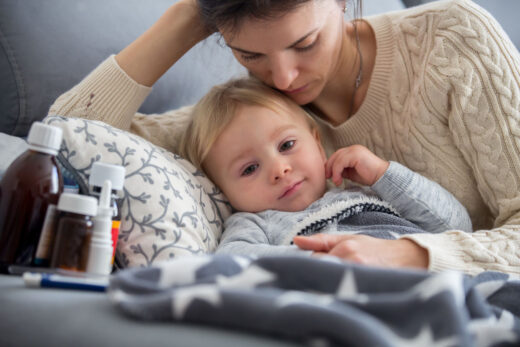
(338, 166)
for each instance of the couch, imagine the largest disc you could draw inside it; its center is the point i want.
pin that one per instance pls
(46, 47)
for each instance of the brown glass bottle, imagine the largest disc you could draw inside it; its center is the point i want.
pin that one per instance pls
(30, 184)
(73, 232)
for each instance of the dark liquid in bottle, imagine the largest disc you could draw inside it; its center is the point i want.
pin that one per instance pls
(72, 243)
(30, 184)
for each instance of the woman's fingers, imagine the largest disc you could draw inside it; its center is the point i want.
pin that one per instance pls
(366, 250)
(318, 242)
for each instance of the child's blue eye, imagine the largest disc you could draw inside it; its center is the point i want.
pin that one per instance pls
(249, 170)
(287, 145)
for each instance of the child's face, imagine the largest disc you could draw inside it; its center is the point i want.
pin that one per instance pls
(267, 160)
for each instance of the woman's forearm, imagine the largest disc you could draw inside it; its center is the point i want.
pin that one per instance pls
(147, 58)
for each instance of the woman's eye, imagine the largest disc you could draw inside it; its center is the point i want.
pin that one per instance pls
(249, 170)
(249, 57)
(306, 48)
(287, 145)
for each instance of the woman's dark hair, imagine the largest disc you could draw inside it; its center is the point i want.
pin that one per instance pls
(229, 14)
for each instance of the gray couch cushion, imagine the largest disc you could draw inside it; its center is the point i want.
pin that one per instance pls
(59, 317)
(371, 7)
(46, 47)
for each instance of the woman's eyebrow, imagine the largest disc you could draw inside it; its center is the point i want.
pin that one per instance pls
(290, 46)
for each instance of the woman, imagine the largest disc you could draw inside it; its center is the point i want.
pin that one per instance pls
(435, 88)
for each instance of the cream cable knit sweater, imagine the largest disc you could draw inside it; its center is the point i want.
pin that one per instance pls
(444, 100)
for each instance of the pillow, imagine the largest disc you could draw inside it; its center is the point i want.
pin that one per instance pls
(10, 148)
(169, 208)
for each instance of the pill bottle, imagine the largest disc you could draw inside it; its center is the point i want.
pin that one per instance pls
(115, 174)
(73, 232)
(31, 183)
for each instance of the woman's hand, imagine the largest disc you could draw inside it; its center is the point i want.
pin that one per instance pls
(356, 163)
(366, 250)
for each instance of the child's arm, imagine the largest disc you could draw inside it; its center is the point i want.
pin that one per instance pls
(421, 200)
(249, 234)
(416, 198)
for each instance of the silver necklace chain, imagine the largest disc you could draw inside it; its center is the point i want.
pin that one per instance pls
(360, 72)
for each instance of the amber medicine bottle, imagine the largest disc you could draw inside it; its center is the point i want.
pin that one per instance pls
(73, 232)
(30, 184)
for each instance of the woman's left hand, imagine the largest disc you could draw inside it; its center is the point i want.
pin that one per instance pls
(366, 250)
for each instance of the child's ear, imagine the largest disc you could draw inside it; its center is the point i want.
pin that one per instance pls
(317, 137)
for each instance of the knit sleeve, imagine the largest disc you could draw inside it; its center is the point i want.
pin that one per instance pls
(108, 94)
(481, 67)
(421, 201)
(248, 234)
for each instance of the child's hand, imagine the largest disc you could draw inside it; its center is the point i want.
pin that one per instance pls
(356, 163)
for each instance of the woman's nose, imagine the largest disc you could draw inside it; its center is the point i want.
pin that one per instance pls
(283, 71)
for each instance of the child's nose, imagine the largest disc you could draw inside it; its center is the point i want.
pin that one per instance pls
(280, 169)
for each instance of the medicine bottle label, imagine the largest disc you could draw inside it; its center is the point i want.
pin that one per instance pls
(116, 225)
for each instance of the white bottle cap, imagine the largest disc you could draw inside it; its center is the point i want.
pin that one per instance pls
(80, 204)
(44, 138)
(102, 171)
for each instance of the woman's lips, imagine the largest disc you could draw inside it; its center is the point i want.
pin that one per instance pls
(297, 90)
(291, 189)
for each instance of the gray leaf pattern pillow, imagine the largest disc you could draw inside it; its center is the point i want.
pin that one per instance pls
(169, 208)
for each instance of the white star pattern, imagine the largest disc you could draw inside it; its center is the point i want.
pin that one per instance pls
(490, 331)
(182, 298)
(181, 271)
(450, 281)
(289, 298)
(489, 288)
(249, 278)
(423, 338)
(347, 289)
(243, 262)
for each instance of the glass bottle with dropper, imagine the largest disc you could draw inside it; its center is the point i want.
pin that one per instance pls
(100, 173)
(30, 184)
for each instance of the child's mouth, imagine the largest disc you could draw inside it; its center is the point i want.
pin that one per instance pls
(291, 189)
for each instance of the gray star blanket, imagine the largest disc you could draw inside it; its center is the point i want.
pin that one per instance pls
(325, 301)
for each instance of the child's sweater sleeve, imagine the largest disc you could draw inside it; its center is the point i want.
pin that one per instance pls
(421, 200)
(108, 94)
(248, 234)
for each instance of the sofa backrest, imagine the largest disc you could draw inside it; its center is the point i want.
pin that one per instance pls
(46, 47)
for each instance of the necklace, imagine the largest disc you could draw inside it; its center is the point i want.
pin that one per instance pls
(360, 72)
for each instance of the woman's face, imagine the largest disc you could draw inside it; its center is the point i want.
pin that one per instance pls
(297, 53)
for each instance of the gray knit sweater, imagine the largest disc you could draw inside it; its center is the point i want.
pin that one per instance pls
(401, 202)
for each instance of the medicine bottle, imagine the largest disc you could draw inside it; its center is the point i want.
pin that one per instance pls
(100, 173)
(30, 184)
(73, 233)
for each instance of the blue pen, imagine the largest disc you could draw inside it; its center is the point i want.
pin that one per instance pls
(37, 280)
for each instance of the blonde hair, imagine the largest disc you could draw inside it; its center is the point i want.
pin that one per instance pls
(217, 109)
